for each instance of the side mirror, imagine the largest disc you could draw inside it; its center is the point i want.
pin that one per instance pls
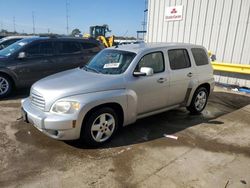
(21, 55)
(144, 71)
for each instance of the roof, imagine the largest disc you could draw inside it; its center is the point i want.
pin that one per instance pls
(136, 48)
(16, 37)
(59, 39)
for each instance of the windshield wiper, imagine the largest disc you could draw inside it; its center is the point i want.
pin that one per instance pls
(90, 68)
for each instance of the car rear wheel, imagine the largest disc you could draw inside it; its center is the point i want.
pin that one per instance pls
(199, 101)
(5, 86)
(99, 127)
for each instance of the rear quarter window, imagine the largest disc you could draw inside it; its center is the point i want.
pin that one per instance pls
(200, 56)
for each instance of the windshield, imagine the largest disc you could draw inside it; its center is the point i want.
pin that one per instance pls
(12, 48)
(110, 62)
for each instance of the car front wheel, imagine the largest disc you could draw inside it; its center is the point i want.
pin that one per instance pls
(5, 86)
(99, 127)
(199, 101)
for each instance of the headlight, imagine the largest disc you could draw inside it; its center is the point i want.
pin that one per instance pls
(65, 107)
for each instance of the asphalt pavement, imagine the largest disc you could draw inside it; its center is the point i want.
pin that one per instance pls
(209, 150)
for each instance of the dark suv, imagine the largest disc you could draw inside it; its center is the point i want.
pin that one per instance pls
(28, 60)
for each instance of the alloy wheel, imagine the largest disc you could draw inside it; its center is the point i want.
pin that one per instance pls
(4, 86)
(103, 127)
(200, 100)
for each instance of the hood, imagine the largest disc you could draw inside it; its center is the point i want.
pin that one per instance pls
(75, 82)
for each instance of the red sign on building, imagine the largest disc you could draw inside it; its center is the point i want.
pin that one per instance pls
(173, 13)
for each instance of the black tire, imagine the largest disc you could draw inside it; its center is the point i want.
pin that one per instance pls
(6, 86)
(87, 134)
(193, 108)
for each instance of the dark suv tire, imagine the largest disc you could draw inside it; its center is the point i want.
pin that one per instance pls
(199, 101)
(99, 127)
(6, 86)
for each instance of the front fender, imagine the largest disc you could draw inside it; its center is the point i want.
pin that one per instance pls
(9, 73)
(125, 98)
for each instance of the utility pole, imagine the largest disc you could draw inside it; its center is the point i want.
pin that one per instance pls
(144, 23)
(33, 22)
(14, 23)
(67, 16)
(1, 26)
(48, 30)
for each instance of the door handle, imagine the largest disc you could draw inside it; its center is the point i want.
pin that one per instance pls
(190, 74)
(161, 80)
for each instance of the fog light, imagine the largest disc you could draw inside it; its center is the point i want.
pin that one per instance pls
(52, 132)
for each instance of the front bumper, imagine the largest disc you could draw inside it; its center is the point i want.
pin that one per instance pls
(57, 126)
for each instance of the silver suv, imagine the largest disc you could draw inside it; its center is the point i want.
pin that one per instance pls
(118, 86)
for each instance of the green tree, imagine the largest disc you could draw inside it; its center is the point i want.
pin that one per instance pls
(75, 32)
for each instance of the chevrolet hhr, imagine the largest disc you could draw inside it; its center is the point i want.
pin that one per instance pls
(118, 86)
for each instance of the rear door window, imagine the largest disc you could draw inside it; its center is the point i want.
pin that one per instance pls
(178, 59)
(68, 47)
(200, 56)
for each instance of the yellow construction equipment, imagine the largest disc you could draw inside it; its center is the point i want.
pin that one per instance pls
(108, 42)
(99, 32)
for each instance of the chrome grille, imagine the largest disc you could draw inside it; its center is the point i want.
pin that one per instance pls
(37, 100)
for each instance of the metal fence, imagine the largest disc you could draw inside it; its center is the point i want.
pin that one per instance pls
(222, 26)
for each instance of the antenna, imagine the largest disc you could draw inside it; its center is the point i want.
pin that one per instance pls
(33, 22)
(67, 16)
(14, 23)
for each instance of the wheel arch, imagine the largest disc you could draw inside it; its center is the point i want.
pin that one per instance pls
(205, 85)
(9, 77)
(113, 105)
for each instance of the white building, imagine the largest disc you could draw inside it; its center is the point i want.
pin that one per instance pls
(222, 26)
